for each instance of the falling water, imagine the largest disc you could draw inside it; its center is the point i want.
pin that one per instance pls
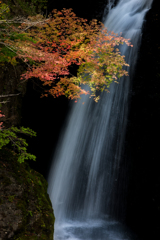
(87, 164)
(108, 8)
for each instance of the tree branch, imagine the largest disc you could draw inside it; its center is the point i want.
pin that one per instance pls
(9, 95)
(4, 102)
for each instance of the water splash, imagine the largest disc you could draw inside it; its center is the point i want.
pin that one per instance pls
(83, 181)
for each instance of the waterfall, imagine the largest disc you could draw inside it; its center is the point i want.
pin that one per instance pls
(86, 169)
(108, 8)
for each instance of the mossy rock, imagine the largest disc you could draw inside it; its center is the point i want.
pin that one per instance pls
(25, 208)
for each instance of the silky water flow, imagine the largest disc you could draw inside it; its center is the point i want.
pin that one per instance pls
(85, 180)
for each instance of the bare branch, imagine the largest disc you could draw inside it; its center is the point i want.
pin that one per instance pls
(4, 102)
(9, 95)
(9, 47)
(24, 21)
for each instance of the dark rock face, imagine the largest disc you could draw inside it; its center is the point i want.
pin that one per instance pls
(25, 208)
(142, 141)
(10, 84)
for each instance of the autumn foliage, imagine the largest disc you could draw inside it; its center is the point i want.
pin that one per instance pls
(52, 46)
(66, 40)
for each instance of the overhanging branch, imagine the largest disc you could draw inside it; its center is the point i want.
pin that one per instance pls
(9, 95)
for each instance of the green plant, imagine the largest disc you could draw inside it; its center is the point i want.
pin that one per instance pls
(4, 9)
(26, 7)
(30, 213)
(12, 135)
(11, 198)
(11, 27)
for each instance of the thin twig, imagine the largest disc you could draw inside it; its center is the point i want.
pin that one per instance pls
(9, 95)
(4, 102)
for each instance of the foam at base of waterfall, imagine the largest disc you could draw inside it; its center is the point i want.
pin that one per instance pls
(96, 229)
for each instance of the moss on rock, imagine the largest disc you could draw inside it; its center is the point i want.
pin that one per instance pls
(25, 208)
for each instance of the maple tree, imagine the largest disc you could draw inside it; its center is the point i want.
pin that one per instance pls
(66, 40)
(51, 46)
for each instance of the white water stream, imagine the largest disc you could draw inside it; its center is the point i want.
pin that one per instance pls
(87, 163)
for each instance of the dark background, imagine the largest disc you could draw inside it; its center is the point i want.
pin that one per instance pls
(142, 149)
(142, 140)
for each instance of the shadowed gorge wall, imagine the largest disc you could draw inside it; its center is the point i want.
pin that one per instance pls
(142, 141)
